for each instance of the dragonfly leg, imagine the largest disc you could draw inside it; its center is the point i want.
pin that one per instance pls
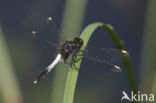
(78, 57)
(82, 51)
(75, 59)
(74, 66)
(67, 62)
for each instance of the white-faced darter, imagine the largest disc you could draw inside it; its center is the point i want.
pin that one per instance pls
(72, 47)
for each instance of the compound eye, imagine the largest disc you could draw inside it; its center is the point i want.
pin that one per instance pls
(81, 41)
(76, 39)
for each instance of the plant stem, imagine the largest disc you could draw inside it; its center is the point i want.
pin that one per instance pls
(85, 36)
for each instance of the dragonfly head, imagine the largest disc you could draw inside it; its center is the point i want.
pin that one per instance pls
(78, 41)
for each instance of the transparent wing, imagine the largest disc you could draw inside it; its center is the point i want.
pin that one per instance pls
(48, 31)
(111, 58)
(46, 35)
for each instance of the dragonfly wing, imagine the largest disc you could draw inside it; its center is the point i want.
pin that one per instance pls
(109, 57)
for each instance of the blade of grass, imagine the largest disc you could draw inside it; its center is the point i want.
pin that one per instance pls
(74, 12)
(148, 56)
(9, 86)
(73, 74)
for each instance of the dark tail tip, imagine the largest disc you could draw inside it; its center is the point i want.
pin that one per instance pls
(41, 76)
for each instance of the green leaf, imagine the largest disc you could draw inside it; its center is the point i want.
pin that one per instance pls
(73, 73)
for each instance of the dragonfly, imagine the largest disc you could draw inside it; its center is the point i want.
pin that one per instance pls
(73, 47)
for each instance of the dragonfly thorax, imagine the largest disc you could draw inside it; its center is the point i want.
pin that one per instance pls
(69, 47)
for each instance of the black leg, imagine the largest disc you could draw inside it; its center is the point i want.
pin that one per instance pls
(74, 66)
(77, 59)
(67, 62)
(74, 59)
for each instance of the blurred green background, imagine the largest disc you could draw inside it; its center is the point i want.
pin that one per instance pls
(23, 56)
